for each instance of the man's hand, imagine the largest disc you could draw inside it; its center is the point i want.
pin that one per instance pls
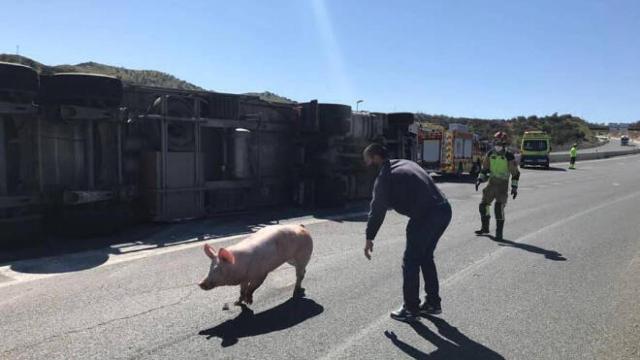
(368, 249)
(514, 192)
(478, 182)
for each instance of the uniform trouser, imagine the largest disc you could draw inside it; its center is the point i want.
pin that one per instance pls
(497, 190)
(572, 161)
(423, 234)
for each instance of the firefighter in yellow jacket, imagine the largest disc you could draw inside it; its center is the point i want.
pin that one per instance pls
(498, 166)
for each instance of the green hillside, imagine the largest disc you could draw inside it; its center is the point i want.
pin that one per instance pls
(137, 77)
(564, 129)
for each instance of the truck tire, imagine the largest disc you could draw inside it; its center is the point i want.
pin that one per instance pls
(334, 118)
(19, 80)
(398, 122)
(400, 119)
(90, 90)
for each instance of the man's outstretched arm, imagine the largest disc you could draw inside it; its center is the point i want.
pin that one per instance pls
(378, 210)
(379, 205)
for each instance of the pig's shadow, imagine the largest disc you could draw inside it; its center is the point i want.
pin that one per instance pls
(288, 314)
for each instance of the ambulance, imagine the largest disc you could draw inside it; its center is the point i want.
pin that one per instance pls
(535, 149)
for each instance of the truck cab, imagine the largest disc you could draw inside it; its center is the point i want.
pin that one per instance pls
(535, 149)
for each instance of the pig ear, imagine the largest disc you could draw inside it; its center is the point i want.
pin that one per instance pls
(211, 253)
(226, 255)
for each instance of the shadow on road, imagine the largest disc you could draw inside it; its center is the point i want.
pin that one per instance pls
(357, 218)
(549, 254)
(60, 255)
(551, 168)
(461, 179)
(451, 343)
(288, 314)
(57, 266)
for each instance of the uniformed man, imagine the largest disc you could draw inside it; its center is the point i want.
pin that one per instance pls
(573, 153)
(498, 166)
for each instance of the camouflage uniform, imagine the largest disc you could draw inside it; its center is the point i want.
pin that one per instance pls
(498, 167)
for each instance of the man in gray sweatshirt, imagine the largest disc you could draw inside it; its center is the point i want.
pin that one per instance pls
(404, 186)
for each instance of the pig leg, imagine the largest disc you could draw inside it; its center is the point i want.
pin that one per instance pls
(300, 264)
(243, 292)
(299, 291)
(301, 270)
(253, 286)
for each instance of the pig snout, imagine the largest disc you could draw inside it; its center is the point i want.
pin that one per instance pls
(206, 285)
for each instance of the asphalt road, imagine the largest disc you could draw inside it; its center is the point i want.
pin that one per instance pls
(612, 145)
(563, 286)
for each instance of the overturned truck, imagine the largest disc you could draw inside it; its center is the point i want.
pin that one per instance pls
(85, 154)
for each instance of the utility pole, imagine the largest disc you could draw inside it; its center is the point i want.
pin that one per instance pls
(358, 103)
(17, 49)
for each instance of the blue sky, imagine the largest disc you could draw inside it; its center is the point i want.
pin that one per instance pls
(485, 58)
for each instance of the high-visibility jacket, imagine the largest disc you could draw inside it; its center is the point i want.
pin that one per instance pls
(573, 152)
(500, 166)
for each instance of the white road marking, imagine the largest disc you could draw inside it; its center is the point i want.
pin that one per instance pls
(132, 252)
(470, 269)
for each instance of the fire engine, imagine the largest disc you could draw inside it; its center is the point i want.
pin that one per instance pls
(453, 151)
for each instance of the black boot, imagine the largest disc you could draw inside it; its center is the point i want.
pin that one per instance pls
(499, 228)
(485, 226)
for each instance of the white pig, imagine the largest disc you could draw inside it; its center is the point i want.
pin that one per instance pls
(248, 262)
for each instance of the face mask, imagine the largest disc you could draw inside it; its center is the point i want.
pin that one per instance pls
(499, 148)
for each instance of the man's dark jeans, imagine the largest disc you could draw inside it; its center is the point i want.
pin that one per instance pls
(423, 234)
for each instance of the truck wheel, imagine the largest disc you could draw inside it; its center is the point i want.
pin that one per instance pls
(18, 81)
(91, 90)
(399, 122)
(400, 119)
(334, 118)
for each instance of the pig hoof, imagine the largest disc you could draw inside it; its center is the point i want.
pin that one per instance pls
(298, 293)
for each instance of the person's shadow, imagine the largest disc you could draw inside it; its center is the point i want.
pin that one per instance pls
(549, 254)
(450, 343)
(288, 314)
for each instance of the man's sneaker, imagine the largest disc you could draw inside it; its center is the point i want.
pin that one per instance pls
(427, 309)
(405, 315)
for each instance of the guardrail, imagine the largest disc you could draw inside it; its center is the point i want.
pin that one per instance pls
(554, 158)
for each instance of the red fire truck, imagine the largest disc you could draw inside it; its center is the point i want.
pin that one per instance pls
(454, 151)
